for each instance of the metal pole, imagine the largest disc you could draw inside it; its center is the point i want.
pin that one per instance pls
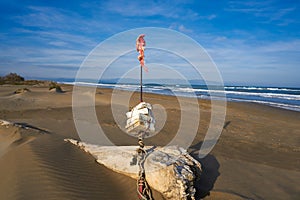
(141, 84)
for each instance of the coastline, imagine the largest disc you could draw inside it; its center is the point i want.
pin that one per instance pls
(256, 157)
(280, 97)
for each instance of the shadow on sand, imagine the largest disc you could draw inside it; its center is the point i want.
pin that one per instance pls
(210, 172)
(28, 126)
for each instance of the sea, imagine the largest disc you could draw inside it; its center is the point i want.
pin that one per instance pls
(281, 97)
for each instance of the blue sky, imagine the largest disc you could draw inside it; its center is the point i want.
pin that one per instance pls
(251, 42)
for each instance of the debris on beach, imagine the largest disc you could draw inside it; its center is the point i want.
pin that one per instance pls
(24, 126)
(140, 118)
(5, 123)
(170, 170)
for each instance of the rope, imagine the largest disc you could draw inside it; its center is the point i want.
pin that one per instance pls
(143, 189)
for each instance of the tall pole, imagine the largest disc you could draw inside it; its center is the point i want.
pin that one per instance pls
(141, 84)
(140, 44)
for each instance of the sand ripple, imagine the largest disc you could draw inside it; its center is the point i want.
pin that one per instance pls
(49, 168)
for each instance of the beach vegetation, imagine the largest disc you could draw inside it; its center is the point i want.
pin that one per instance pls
(11, 78)
(54, 85)
(21, 90)
(15, 79)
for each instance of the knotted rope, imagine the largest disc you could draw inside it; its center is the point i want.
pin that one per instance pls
(143, 189)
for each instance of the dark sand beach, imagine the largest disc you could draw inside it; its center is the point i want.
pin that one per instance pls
(256, 157)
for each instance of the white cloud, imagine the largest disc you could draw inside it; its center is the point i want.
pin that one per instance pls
(212, 16)
(52, 18)
(56, 37)
(268, 62)
(169, 9)
(44, 17)
(267, 11)
(58, 43)
(180, 27)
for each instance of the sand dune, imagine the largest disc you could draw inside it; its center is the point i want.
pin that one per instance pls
(15, 134)
(48, 168)
(8, 135)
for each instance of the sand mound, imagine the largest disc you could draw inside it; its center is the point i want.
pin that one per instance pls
(57, 90)
(53, 86)
(14, 134)
(48, 169)
(8, 135)
(21, 90)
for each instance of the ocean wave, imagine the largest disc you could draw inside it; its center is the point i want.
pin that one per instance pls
(273, 96)
(278, 105)
(266, 95)
(262, 88)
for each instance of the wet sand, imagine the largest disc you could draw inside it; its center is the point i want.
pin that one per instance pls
(256, 157)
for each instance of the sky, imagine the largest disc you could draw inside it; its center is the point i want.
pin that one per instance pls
(251, 42)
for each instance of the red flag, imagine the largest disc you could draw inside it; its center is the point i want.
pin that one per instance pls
(140, 47)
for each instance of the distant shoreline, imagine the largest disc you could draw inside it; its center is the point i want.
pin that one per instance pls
(280, 97)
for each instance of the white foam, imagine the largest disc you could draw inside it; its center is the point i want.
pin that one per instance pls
(217, 94)
(278, 105)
